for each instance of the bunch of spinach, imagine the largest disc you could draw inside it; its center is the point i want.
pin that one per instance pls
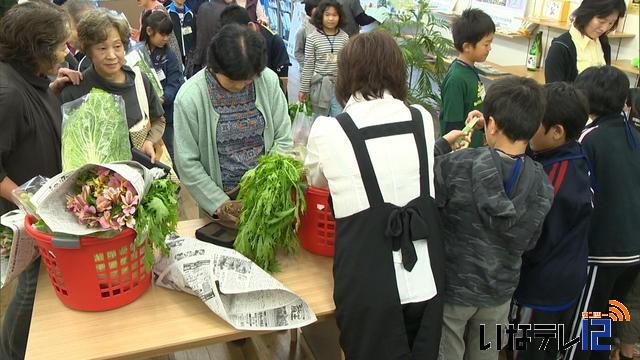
(157, 217)
(269, 209)
(94, 130)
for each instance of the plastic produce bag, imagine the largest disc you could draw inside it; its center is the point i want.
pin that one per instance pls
(17, 248)
(23, 193)
(94, 130)
(300, 130)
(139, 57)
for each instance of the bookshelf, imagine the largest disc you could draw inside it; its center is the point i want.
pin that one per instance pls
(565, 25)
(625, 65)
(451, 16)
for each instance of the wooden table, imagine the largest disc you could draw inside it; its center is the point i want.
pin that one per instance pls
(517, 70)
(162, 320)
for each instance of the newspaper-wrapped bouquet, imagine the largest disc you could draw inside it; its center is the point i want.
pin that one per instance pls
(103, 199)
(99, 198)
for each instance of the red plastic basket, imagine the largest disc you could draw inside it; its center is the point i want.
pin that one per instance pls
(93, 274)
(317, 231)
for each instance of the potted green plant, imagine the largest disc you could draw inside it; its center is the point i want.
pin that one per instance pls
(425, 49)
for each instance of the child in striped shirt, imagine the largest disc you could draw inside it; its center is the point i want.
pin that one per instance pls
(318, 78)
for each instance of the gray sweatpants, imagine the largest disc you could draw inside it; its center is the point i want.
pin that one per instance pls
(461, 331)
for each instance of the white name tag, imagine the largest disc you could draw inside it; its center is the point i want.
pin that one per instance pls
(186, 30)
(161, 75)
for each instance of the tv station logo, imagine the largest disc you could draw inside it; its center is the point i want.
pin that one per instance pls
(595, 326)
(602, 323)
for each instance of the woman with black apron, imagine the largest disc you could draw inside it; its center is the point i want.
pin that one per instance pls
(375, 158)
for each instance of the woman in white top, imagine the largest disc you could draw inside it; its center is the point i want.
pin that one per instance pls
(376, 159)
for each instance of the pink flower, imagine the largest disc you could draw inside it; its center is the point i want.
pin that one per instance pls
(129, 202)
(103, 203)
(113, 194)
(102, 171)
(86, 214)
(125, 220)
(107, 222)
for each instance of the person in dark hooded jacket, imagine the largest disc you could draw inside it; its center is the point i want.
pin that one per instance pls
(492, 201)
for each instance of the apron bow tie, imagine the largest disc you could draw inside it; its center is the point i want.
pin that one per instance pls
(404, 226)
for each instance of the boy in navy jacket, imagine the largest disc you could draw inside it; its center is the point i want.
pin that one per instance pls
(184, 27)
(553, 273)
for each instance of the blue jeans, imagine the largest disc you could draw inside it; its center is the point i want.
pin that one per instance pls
(334, 107)
(167, 137)
(15, 328)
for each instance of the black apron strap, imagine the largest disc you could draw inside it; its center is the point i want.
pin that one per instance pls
(357, 137)
(421, 144)
(367, 173)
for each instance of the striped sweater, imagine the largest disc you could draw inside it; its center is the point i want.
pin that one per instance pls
(318, 52)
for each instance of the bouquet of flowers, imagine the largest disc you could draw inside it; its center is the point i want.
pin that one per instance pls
(103, 199)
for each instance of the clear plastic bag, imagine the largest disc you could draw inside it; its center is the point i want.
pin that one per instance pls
(23, 193)
(139, 57)
(94, 130)
(300, 130)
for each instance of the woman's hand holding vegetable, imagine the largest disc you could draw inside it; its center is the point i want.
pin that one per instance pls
(65, 76)
(302, 97)
(147, 148)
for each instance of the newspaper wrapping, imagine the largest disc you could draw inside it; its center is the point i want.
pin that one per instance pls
(23, 248)
(50, 201)
(231, 285)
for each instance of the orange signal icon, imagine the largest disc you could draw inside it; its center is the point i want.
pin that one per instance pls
(617, 311)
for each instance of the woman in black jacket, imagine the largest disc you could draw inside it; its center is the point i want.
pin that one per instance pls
(33, 40)
(586, 43)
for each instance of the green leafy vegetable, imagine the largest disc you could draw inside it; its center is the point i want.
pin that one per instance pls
(94, 130)
(269, 209)
(143, 62)
(6, 238)
(295, 107)
(157, 217)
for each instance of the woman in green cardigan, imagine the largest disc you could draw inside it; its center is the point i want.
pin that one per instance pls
(226, 116)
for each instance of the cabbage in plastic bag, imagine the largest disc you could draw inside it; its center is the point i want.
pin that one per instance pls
(94, 130)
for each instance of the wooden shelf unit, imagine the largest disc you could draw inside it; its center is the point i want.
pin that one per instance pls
(565, 25)
(625, 65)
(451, 16)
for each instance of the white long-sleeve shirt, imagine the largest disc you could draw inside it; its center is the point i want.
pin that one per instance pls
(332, 163)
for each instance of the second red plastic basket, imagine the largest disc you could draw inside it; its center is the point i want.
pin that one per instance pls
(93, 274)
(317, 231)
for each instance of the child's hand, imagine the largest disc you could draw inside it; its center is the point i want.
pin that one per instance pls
(476, 114)
(134, 33)
(302, 97)
(457, 139)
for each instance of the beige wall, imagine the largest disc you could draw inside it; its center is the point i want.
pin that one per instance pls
(130, 9)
